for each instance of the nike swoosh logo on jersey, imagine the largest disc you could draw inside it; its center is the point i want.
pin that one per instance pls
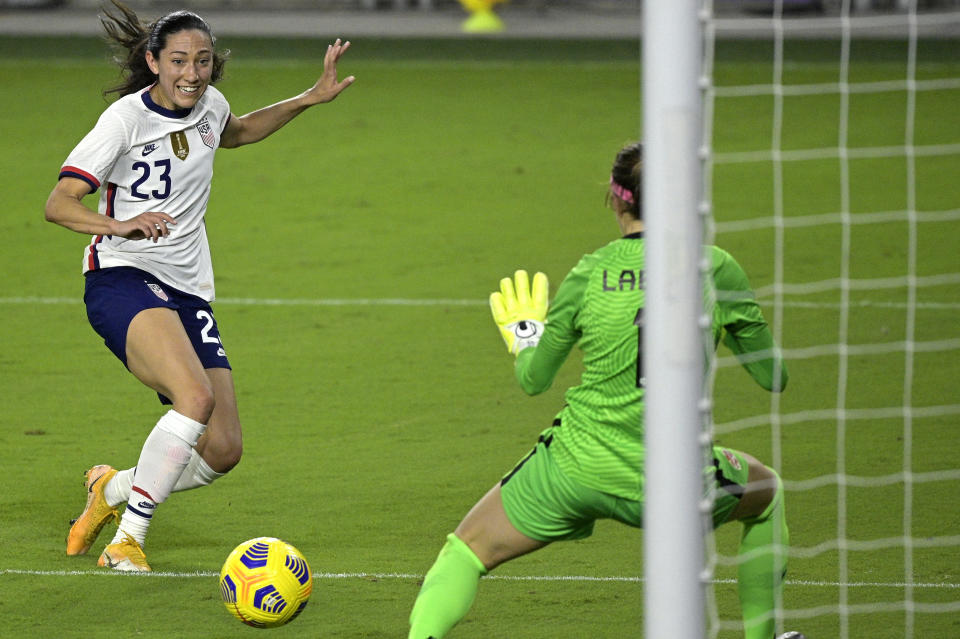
(148, 149)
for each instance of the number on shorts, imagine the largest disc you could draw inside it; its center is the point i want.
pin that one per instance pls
(205, 332)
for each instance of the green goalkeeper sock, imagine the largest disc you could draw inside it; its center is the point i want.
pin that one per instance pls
(760, 578)
(448, 590)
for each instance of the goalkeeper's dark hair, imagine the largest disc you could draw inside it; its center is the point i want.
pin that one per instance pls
(133, 39)
(627, 171)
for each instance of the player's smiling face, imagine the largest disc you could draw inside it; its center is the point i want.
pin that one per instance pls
(183, 67)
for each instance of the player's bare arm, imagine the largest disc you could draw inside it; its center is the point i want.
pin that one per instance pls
(65, 207)
(259, 124)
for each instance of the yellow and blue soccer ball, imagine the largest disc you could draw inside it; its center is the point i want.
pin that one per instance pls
(265, 582)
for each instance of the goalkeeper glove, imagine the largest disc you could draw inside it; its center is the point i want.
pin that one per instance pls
(521, 311)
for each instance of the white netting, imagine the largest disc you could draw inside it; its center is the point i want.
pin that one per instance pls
(833, 585)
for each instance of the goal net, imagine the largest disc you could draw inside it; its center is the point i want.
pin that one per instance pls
(833, 176)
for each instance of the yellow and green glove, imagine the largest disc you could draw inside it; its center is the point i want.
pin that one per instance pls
(521, 310)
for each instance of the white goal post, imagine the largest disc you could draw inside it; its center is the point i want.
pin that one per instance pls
(672, 187)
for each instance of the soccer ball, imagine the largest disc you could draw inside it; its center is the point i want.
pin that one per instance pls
(265, 582)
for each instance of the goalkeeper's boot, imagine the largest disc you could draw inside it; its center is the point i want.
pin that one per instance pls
(791, 635)
(85, 528)
(126, 555)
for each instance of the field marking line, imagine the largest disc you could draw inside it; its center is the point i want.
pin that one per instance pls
(266, 301)
(396, 575)
(402, 301)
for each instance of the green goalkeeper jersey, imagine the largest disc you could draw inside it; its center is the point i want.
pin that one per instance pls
(599, 440)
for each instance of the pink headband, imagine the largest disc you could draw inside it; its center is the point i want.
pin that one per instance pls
(621, 191)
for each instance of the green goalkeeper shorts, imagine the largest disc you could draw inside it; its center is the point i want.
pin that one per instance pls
(729, 471)
(545, 504)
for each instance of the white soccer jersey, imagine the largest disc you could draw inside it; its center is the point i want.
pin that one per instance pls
(148, 158)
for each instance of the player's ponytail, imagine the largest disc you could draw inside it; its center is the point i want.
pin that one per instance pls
(134, 38)
(626, 177)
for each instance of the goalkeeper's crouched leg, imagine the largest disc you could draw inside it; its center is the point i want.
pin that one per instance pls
(448, 590)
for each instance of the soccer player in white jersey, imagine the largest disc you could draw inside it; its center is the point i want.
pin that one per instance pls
(149, 279)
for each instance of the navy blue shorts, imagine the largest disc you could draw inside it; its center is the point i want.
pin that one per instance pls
(114, 296)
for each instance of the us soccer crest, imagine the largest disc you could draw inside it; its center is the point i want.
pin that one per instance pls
(206, 132)
(181, 148)
(159, 292)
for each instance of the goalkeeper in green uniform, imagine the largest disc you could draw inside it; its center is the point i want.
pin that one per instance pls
(590, 463)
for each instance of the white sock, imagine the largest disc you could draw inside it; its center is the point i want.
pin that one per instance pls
(197, 473)
(117, 490)
(162, 460)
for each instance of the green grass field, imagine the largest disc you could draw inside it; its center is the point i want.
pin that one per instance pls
(354, 252)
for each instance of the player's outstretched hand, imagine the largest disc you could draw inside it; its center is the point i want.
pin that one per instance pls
(327, 87)
(521, 310)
